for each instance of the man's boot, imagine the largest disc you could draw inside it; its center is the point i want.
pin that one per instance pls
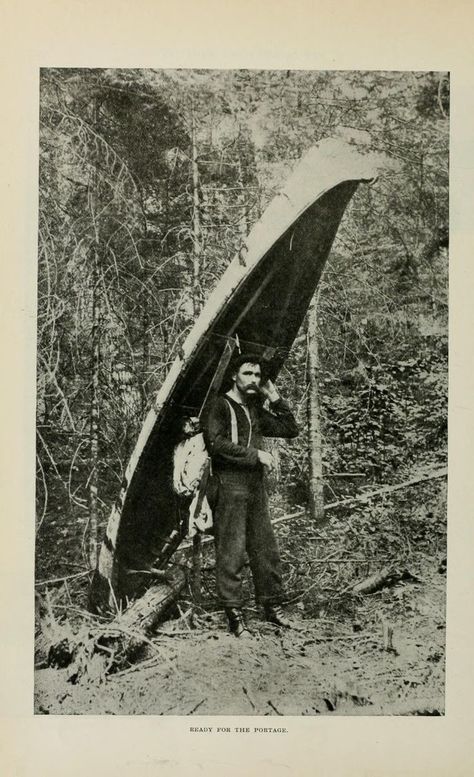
(275, 614)
(237, 625)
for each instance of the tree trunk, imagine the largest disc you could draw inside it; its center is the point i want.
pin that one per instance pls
(197, 245)
(196, 293)
(95, 398)
(315, 458)
(243, 219)
(145, 322)
(94, 414)
(145, 359)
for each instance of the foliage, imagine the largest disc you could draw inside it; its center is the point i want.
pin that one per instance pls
(118, 238)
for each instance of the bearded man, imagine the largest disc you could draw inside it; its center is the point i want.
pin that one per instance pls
(235, 426)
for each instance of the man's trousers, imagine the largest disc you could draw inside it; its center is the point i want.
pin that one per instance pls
(242, 526)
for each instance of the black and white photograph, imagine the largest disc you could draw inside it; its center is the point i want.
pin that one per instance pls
(242, 392)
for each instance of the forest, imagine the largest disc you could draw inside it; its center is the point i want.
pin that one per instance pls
(149, 182)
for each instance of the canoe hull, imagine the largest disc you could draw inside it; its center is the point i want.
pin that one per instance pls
(262, 299)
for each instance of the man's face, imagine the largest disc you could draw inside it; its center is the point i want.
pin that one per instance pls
(247, 379)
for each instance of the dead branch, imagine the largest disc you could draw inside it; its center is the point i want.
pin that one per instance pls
(270, 704)
(249, 698)
(62, 579)
(53, 378)
(45, 487)
(196, 706)
(142, 665)
(432, 475)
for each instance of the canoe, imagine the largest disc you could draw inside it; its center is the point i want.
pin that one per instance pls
(260, 301)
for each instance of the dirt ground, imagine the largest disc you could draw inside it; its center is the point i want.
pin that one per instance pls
(326, 665)
(380, 653)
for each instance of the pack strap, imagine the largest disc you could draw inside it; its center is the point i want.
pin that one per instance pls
(207, 471)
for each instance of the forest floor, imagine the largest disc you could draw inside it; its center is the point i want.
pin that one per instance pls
(324, 666)
(375, 654)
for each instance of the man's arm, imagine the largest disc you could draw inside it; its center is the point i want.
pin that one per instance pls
(220, 447)
(280, 422)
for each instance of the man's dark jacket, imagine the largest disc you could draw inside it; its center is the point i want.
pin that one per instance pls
(277, 422)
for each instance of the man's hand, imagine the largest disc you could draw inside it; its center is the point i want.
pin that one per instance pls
(269, 391)
(266, 459)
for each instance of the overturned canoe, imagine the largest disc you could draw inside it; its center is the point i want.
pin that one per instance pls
(261, 299)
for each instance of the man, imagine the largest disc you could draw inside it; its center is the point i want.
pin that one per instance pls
(233, 432)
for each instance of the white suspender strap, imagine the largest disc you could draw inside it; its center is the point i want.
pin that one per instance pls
(234, 434)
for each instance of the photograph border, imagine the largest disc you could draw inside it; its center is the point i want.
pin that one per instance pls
(305, 36)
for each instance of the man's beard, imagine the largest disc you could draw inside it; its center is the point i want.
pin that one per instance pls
(254, 395)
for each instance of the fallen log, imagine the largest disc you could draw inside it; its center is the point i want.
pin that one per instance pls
(387, 576)
(99, 648)
(375, 582)
(147, 612)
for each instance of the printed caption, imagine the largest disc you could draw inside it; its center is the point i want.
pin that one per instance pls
(237, 730)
